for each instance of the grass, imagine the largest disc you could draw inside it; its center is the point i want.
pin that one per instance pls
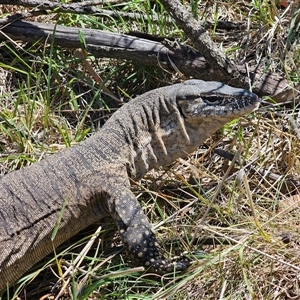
(238, 220)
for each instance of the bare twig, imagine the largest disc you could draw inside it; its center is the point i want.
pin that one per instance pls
(50, 4)
(220, 65)
(82, 54)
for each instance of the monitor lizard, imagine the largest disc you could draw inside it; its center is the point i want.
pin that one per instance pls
(91, 180)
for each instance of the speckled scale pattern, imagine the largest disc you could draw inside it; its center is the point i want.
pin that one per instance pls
(92, 178)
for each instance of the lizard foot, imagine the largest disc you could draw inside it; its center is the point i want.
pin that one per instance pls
(163, 266)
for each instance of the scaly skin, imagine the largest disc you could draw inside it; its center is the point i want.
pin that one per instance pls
(92, 178)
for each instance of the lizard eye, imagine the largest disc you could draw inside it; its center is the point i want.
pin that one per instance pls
(209, 101)
(213, 99)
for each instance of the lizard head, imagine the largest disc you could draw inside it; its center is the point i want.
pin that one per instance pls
(199, 100)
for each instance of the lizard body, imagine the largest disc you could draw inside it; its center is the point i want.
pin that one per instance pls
(91, 179)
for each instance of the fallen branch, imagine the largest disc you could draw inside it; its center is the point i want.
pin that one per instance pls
(106, 44)
(169, 55)
(81, 8)
(88, 7)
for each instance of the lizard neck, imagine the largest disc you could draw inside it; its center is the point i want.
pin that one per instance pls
(155, 137)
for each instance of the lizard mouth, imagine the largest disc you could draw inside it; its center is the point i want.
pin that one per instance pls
(221, 105)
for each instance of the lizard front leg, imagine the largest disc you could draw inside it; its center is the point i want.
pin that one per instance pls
(138, 238)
